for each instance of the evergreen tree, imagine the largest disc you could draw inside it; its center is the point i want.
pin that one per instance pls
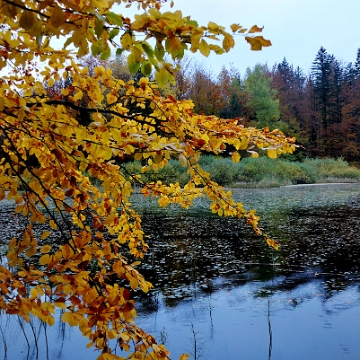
(262, 102)
(336, 98)
(349, 74)
(286, 72)
(321, 78)
(357, 64)
(299, 80)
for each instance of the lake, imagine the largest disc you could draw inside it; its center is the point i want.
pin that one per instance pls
(221, 293)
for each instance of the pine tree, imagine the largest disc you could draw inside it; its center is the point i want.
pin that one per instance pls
(321, 74)
(357, 64)
(336, 99)
(286, 72)
(262, 100)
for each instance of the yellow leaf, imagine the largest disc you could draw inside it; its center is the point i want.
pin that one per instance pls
(241, 144)
(228, 42)
(12, 243)
(80, 134)
(19, 209)
(60, 304)
(65, 92)
(108, 153)
(263, 41)
(45, 259)
(257, 42)
(78, 95)
(100, 4)
(274, 244)
(272, 154)
(51, 82)
(235, 157)
(52, 224)
(69, 318)
(111, 98)
(163, 201)
(134, 283)
(49, 320)
(204, 48)
(213, 26)
(196, 35)
(32, 249)
(45, 234)
(184, 357)
(138, 156)
(33, 293)
(235, 27)
(145, 286)
(45, 249)
(126, 41)
(110, 219)
(175, 44)
(255, 29)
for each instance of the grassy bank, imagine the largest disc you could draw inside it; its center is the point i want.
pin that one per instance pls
(261, 172)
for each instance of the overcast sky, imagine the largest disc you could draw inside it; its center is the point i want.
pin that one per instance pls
(296, 28)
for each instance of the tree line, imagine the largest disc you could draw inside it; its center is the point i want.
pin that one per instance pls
(320, 109)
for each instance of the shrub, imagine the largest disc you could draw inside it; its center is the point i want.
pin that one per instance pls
(332, 168)
(222, 170)
(262, 172)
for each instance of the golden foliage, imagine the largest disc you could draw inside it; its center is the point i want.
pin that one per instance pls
(50, 155)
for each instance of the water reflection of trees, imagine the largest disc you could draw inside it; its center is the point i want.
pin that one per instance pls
(188, 251)
(30, 339)
(199, 256)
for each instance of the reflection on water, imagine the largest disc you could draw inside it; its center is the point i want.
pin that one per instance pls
(20, 340)
(221, 293)
(250, 321)
(221, 289)
(233, 323)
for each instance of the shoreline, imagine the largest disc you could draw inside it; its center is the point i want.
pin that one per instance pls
(322, 184)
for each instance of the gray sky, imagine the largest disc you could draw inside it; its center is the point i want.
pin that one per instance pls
(296, 28)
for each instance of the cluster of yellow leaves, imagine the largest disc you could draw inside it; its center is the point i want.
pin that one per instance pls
(84, 270)
(92, 26)
(51, 157)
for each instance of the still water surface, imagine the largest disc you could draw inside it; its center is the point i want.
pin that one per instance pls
(220, 293)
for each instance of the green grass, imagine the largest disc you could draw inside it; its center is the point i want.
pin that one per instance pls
(261, 172)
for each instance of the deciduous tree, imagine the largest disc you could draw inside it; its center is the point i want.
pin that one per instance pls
(50, 157)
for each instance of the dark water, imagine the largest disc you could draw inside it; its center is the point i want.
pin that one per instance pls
(245, 322)
(221, 293)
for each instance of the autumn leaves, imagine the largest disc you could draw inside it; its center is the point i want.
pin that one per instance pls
(79, 185)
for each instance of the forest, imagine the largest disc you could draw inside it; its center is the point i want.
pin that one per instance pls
(320, 109)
